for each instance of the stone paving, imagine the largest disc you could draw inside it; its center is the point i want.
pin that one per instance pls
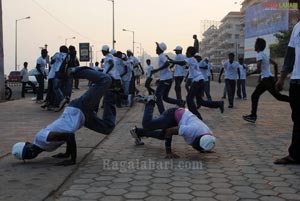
(240, 169)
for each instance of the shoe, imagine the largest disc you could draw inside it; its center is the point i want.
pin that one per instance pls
(138, 140)
(286, 161)
(223, 97)
(244, 98)
(144, 99)
(44, 105)
(62, 104)
(182, 103)
(230, 106)
(249, 118)
(221, 107)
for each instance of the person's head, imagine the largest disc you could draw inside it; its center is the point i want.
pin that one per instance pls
(206, 60)
(204, 143)
(194, 36)
(241, 60)
(72, 50)
(113, 52)
(25, 150)
(129, 53)
(44, 53)
(25, 64)
(191, 51)
(231, 57)
(119, 54)
(260, 45)
(96, 63)
(63, 49)
(105, 50)
(198, 57)
(124, 57)
(178, 49)
(160, 47)
(148, 61)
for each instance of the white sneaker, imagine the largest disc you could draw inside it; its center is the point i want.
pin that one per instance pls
(138, 140)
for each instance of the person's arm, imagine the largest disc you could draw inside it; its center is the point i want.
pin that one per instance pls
(71, 149)
(168, 141)
(139, 65)
(111, 65)
(239, 72)
(166, 65)
(275, 68)
(220, 75)
(125, 71)
(258, 68)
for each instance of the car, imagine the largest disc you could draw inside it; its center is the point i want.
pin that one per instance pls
(14, 76)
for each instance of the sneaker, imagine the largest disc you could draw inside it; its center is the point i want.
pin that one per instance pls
(144, 99)
(138, 140)
(62, 104)
(230, 106)
(221, 107)
(249, 118)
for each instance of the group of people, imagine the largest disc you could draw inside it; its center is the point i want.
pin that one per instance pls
(186, 122)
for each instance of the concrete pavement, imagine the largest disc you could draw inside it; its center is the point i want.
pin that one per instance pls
(113, 168)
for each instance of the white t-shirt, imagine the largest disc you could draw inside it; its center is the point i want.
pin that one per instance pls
(113, 72)
(194, 70)
(128, 75)
(135, 64)
(42, 62)
(70, 121)
(204, 72)
(165, 74)
(58, 58)
(191, 127)
(243, 72)
(230, 70)
(24, 74)
(295, 43)
(148, 72)
(265, 64)
(179, 70)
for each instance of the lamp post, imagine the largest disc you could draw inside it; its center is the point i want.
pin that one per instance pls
(16, 41)
(113, 23)
(132, 38)
(141, 52)
(66, 40)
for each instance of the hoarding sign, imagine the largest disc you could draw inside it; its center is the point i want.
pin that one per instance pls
(84, 51)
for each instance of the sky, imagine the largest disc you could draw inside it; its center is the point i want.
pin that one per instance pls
(53, 21)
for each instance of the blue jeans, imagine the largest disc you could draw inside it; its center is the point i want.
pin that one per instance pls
(57, 88)
(230, 86)
(90, 100)
(241, 88)
(162, 93)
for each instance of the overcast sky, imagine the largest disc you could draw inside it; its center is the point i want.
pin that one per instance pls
(52, 21)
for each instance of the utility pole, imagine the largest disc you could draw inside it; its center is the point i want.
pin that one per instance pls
(2, 89)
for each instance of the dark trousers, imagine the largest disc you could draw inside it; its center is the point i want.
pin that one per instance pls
(148, 86)
(162, 93)
(294, 149)
(24, 85)
(178, 81)
(188, 83)
(40, 90)
(230, 86)
(266, 84)
(241, 88)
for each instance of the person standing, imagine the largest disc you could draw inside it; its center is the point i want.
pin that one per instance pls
(25, 80)
(149, 77)
(73, 62)
(135, 66)
(231, 74)
(292, 63)
(165, 82)
(267, 82)
(40, 75)
(196, 43)
(179, 71)
(241, 82)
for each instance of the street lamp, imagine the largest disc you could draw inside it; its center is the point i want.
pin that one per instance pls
(113, 21)
(141, 52)
(132, 38)
(16, 41)
(66, 40)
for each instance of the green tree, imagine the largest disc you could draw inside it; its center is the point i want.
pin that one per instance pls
(279, 49)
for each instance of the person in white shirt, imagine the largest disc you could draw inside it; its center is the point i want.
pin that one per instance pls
(292, 64)
(25, 80)
(231, 74)
(80, 112)
(40, 75)
(241, 82)
(205, 70)
(136, 66)
(174, 121)
(149, 77)
(179, 71)
(165, 81)
(267, 82)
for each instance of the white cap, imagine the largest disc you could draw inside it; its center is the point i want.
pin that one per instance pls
(197, 54)
(105, 48)
(113, 51)
(207, 142)
(178, 48)
(18, 150)
(162, 46)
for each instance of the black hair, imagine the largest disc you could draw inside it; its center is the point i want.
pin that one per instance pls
(25, 63)
(260, 44)
(148, 60)
(44, 51)
(196, 144)
(231, 54)
(63, 49)
(96, 63)
(191, 50)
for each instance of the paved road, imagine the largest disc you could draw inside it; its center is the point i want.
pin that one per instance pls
(113, 168)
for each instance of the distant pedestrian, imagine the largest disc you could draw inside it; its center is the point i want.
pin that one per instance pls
(196, 43)
(165, 81)
(267, 82)
(231, 74)
(292, 64)
(241, 82)
(73, 62)
(40, 75)
(149, 78)
(25, 80)
(179, 71)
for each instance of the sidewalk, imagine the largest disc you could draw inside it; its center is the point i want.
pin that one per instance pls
(241, 169)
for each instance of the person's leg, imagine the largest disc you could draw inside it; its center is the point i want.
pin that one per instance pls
(40, 91)
(147, 85)
(178, 81)
(259, 90)
(271, 88)
(243, 82)
(224, 91)
(231, 91)
(57, 90)
(159, 94)
(195, 89)
(166, 98)
(23, 89)
(294, 149)
(188, 84)
(157, 134)
(239, 86)
(207, 89)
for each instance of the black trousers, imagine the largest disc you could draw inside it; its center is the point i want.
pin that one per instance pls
(294, 149)
(24, 85)
(266, 84)
(148, 86)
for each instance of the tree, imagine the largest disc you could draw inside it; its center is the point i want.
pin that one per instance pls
(279, 49)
